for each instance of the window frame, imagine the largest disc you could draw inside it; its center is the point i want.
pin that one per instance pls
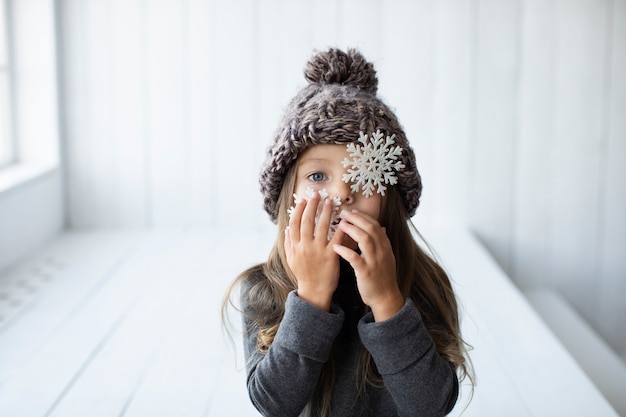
(7, 137)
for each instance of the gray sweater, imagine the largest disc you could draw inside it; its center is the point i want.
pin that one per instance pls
(417, 381)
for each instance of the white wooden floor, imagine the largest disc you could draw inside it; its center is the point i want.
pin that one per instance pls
(112, 324)
(128, 324)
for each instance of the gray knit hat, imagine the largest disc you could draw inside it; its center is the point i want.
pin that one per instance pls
(339, 103)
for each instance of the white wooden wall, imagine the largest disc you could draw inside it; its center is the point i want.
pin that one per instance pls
(515, 110)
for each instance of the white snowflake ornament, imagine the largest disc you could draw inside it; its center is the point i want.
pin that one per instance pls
(373, 165)
(335, 217)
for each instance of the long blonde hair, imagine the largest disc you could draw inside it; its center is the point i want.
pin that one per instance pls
(419, 277)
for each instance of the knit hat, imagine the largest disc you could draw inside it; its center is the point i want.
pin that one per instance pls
(337, 106)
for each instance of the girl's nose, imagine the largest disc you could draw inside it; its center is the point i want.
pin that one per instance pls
(344, 193)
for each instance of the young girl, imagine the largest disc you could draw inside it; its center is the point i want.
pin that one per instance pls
(348, 316)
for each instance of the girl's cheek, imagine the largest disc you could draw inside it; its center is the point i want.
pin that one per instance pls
(308, 188)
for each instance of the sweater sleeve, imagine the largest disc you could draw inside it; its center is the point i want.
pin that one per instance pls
(419, 380)
(281, 382)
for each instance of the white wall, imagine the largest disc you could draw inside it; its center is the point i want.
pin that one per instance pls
(515, 110)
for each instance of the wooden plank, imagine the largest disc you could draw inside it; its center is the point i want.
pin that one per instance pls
(80, 184)
(283, 42)
(269, 73)
(88, 123)
(492, 156)
(532, 263)
(446, 158)
(200, 83)
(32, 73)
(168, 149)
(274, 88)
(98, 100)
(234, 136)
(129, 114)
(407, 76)
(580, 65)
(611, 316)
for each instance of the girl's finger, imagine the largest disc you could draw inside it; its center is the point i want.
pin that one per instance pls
(307, 224)
(363, 238)
(364, 230)
(362, 220)
(323, 222)
(295, 220)
(353, 258)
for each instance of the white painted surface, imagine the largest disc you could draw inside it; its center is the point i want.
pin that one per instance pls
(515, 354)
(611, 263)
(596, 358)
(31, 214)
(34, 79)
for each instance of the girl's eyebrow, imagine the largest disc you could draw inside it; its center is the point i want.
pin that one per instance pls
(313, 160)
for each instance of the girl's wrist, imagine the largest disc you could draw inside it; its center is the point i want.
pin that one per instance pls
(319, 298)
(387, 308)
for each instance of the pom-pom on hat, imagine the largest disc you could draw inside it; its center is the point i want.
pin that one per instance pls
(336, 107)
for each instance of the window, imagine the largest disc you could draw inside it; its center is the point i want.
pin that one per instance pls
(6, 138)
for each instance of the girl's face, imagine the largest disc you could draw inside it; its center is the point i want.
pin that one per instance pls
(319, 167)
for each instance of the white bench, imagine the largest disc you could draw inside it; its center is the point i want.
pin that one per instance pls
(603, 366)
(522, 369)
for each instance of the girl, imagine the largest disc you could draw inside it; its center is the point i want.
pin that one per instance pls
(348, 316)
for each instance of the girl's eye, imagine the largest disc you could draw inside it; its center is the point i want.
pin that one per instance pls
(317, 177)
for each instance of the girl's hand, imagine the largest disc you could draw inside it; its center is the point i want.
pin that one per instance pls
(375, 267)
(309, 253)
